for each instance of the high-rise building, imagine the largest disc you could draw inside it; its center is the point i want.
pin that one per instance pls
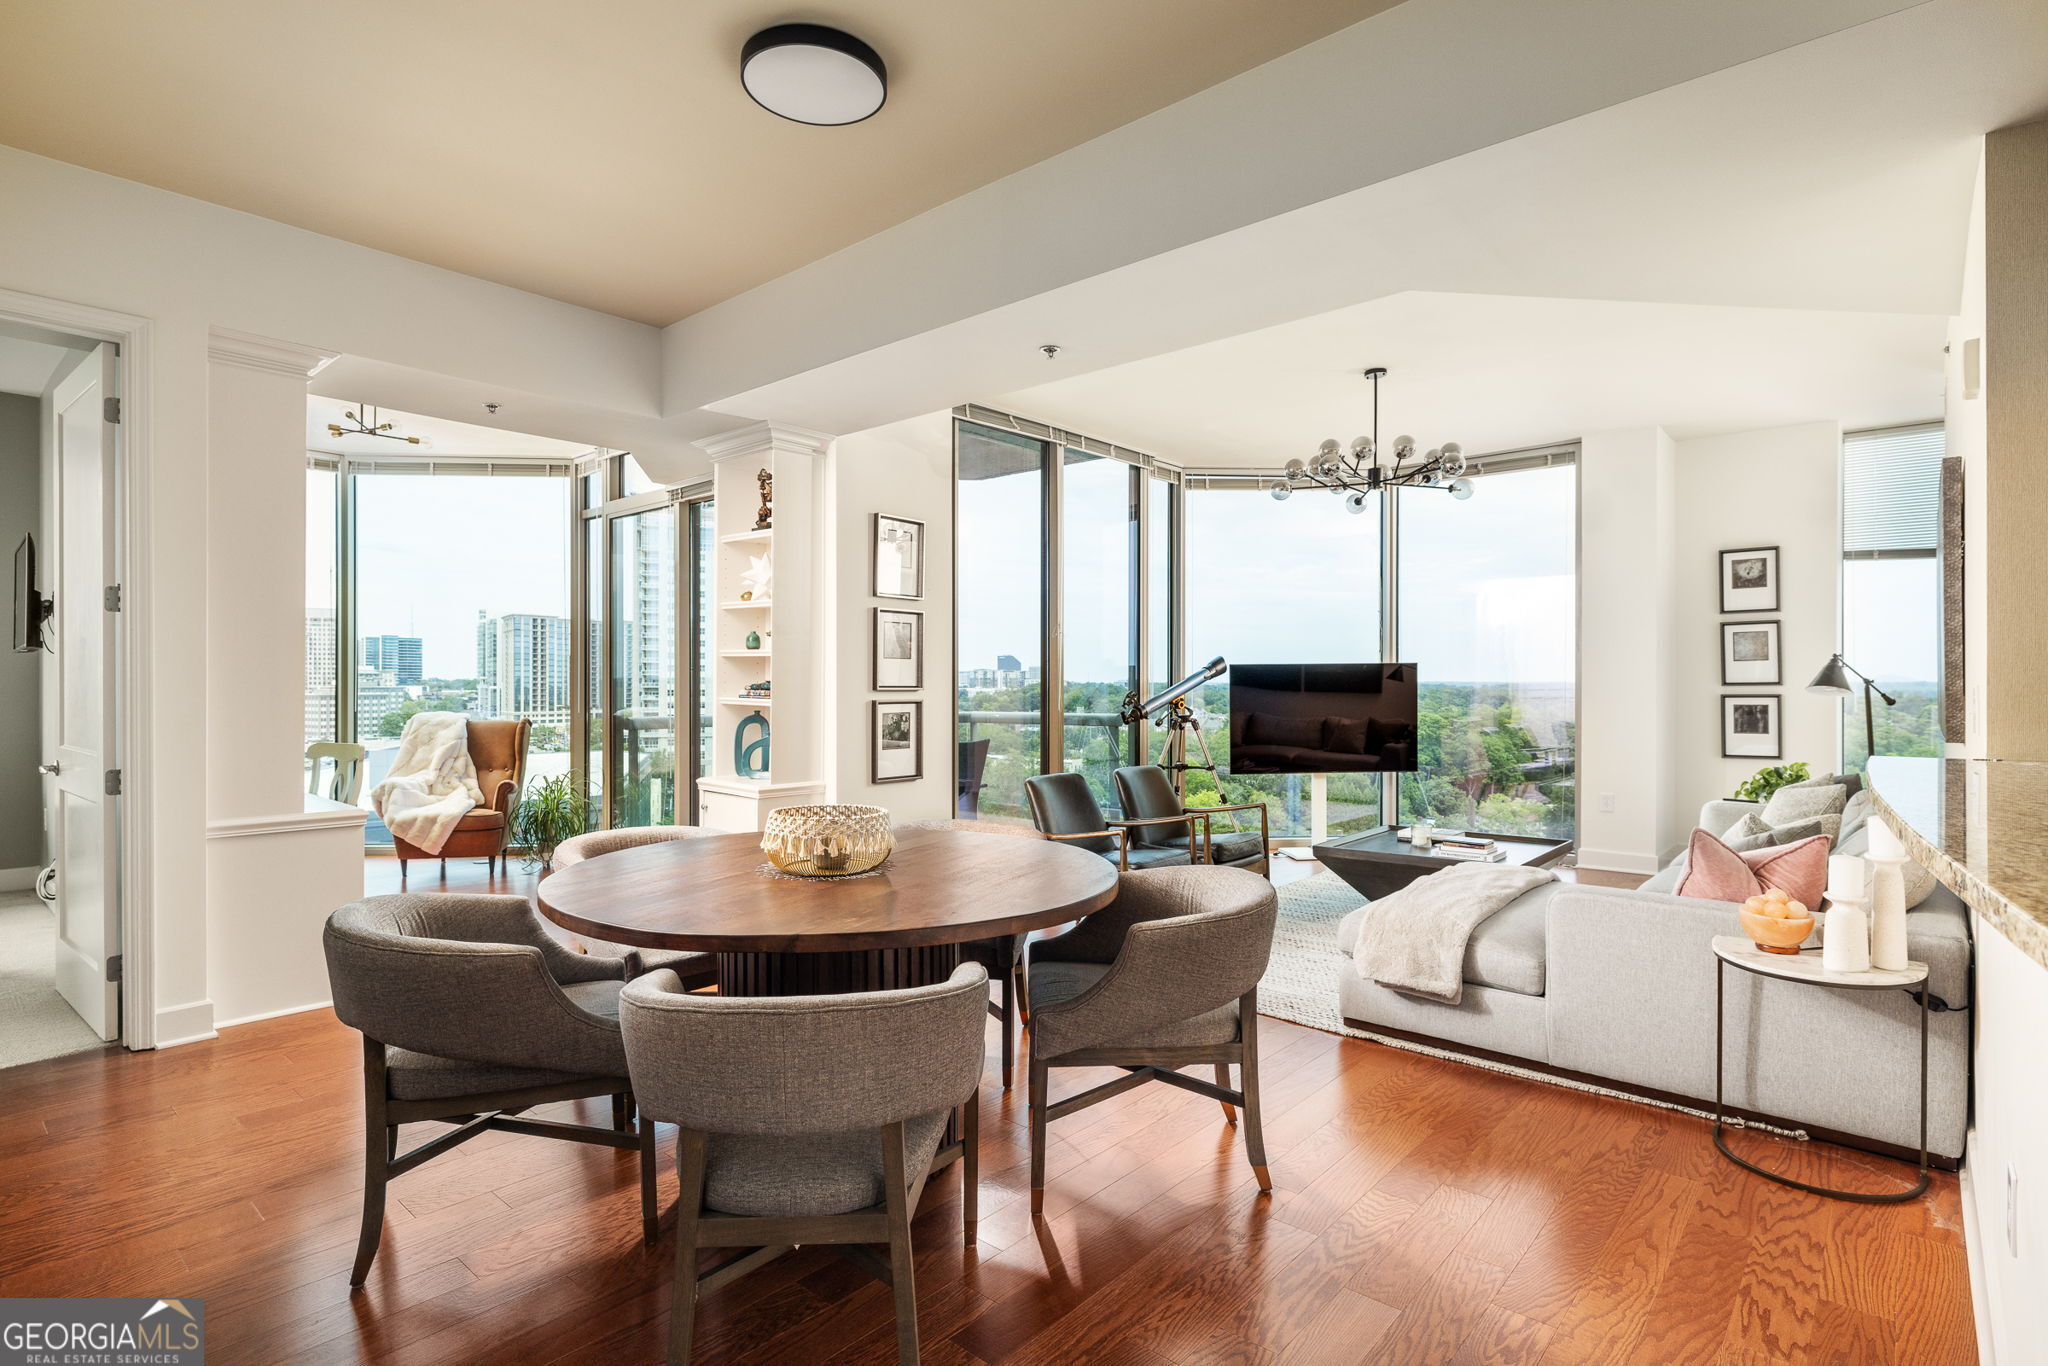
(1009, 662)
(522, 667)
(320, 674)
(399, 656)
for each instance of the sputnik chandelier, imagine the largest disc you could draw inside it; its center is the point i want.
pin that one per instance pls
(1361, 471)
(358, 427)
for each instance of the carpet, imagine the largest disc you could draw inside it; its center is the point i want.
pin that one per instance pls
(35, 1022)
(1300, 986)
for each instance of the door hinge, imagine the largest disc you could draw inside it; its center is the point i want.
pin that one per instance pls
(110, 408)
(113, 782)
(113, 597)
(114, 968)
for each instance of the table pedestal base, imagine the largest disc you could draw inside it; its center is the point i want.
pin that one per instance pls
(833, 974)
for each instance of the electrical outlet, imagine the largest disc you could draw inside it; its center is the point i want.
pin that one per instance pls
(1607, 803)
(2012, 1209)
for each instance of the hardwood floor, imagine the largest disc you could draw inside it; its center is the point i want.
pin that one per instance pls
(1424, 1212)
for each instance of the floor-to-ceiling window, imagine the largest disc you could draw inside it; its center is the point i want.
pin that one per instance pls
(1487, 591)
(1892, 588)
(459, 590)
(1294, 582)
(1000, 605)
(1099, 614)
(323, 556)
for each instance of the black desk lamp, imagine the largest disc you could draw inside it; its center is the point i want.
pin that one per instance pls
(1834, 678)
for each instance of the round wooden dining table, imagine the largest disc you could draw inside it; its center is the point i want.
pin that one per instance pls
(774, 934)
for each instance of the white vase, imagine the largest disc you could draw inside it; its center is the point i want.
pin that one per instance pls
(1845, 940)
(1887, 914)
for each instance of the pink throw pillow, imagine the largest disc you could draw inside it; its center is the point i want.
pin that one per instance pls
(1714, 872)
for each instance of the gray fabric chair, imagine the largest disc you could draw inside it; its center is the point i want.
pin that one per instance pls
(471, 1012)
(1004, 958)
(1164, 977)
(696, 969)
(1063, 807)
(807, 1119)
(1146, 792)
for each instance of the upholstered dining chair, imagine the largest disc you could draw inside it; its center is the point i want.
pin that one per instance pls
(1164, 977)
(807, 1119)
(697, 969)
(498, 750)
(1004, 957)
(471, 1013)
(1146, 791)
(1063, 807)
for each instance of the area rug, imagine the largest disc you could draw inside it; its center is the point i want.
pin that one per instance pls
(35, 1022)
(1300, 986)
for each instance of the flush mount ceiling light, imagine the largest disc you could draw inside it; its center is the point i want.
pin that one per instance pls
(811, 74)
(1361, 471)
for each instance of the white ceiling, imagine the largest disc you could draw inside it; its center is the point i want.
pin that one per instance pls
(444, 439)
(1496, 372)
(1834, 176)
(29, 359)
(604, 154)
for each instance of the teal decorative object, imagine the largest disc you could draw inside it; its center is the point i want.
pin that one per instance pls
(750, 756)
(753, 640)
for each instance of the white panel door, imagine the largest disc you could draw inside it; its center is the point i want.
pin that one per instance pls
(79, 479)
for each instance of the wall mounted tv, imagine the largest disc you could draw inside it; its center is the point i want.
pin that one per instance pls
(1322, 718)
(31, 609)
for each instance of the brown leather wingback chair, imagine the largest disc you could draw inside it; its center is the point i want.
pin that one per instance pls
(498, 749)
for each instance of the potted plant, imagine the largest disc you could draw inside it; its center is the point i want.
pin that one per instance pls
(552, 810)
(1759, 786)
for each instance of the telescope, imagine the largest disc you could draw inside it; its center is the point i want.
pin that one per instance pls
(1136, 712)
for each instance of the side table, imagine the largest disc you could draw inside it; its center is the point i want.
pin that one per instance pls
(1734, 950)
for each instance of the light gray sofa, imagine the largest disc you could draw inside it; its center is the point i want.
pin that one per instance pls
(1618, 985)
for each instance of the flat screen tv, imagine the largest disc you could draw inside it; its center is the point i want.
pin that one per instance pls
(31, 609)
(1322, 718)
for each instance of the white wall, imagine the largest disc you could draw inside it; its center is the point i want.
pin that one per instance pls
(906, 470)
(1781, 487)
(1626, 578)
(189, 268)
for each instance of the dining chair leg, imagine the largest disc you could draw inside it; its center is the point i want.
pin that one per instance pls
(619, 1113)
(377, 1138)
(391, 1143)
(1008, 1020)
(902, 1275)
(650, 1215)
(1223, 1080)
(1248, 1073)
(1037, 1091)
(682, 1300)
(970, 1164)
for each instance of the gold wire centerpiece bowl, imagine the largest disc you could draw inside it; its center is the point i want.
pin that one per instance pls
(827, 841)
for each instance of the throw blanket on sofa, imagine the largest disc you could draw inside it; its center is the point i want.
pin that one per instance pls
(432, 783)
(1415, 940)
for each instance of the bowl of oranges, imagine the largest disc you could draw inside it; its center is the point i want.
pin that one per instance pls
(1775, 922)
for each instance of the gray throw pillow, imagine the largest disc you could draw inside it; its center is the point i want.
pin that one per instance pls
(1852, 781)
(1790, 804)
(1754, 832)
(1855, 815)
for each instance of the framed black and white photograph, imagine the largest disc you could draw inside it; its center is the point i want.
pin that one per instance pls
(899, 650)
(1749, 652)
(899, 557)
(1749, 726)
(897, 742)
(1749, 579)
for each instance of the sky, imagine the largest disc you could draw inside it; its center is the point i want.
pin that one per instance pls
(433, 550)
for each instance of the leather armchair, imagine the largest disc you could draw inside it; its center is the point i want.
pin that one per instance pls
(498, 750)
(1064, 808)
(1147, 793)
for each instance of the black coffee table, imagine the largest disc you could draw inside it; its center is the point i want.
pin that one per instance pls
(1379, 864)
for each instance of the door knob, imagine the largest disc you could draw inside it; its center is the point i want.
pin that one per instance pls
(49, 769)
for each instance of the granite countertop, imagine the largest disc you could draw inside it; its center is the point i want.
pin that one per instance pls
(1981, 826)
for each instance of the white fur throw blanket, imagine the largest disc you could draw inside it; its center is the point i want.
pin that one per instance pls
(432, 783)
(1415, 940)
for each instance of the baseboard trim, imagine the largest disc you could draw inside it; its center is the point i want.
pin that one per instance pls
(1615, 861)
(188, 1023)
(274, 1014)
(18, 879)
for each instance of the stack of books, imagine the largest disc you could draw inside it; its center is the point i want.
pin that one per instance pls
(1476, 848)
